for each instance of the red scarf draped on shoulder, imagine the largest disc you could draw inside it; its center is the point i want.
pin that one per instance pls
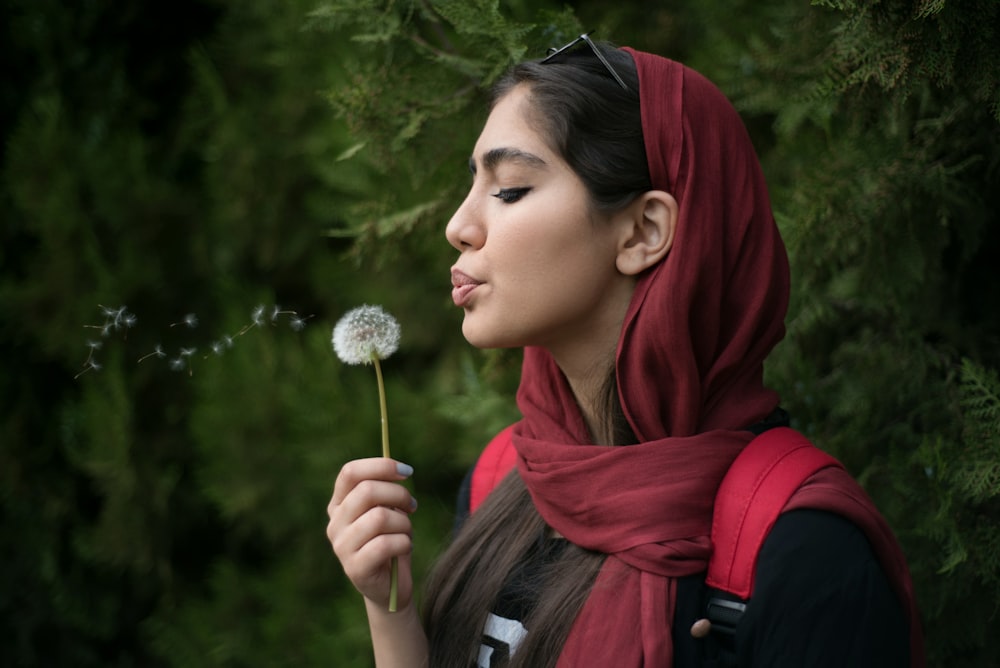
(690, 376)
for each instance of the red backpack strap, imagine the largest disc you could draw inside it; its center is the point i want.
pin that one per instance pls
(495, 462)
(755, 490)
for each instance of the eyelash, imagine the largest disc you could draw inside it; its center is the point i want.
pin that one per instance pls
(511, 195)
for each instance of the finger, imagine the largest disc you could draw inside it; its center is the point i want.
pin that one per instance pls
(374, 468)
(366, 538)
(369, 494)
(369, 570)
(383, 546)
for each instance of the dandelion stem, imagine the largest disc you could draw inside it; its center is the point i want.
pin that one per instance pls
(384, 413)
(383, 410)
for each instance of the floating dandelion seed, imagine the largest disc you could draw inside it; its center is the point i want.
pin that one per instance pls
(90, 364)
(183, 360)
(121, 319)
(117, 318)
(366, 335)
(190, 321)
(157, 352)
(256, 320)
(114, 319)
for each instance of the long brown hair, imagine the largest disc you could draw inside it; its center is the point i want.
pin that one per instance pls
(595, 126)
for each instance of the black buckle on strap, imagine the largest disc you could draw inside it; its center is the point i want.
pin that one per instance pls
(724, 615)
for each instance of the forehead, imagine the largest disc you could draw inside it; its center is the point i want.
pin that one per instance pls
(508, 129)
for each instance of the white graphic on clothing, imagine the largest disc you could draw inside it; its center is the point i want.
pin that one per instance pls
(502, 637)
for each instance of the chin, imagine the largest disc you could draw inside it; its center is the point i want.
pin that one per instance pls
(482, 335)
(476, 337)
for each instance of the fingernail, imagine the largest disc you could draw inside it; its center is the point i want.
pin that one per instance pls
(404, 470)
(413, 504)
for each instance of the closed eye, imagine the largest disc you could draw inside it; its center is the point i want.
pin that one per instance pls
(510, 195)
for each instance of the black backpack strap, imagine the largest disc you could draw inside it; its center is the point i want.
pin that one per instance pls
(724, 611)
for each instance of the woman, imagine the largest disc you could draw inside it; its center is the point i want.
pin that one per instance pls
(618, 228)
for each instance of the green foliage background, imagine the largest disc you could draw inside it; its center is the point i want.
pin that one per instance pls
(206, 157)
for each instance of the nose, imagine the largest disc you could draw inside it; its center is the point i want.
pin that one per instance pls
(465, 230)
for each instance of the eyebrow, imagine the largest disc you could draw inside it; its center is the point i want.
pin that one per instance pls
(494, 157)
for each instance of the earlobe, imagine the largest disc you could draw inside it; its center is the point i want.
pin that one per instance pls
(648, 228)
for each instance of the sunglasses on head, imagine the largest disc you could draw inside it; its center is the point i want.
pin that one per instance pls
(585, 37)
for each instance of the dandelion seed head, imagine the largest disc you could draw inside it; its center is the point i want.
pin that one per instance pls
(191, 320)
(158, 351)
(258, 315)
(94, 345)
(275, 312)
(297, 324)
(178, 364)
(188, 352)
(218, 347)
(364, 333)
(227, 341)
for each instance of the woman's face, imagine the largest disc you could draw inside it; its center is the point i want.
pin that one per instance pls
(537, 265)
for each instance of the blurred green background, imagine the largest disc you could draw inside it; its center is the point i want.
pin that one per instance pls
(208, 158)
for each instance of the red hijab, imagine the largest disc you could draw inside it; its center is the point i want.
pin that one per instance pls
(689, 365)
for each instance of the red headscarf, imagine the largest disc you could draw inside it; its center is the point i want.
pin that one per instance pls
(690, 375)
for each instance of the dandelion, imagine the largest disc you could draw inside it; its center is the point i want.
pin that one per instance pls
(367, 335)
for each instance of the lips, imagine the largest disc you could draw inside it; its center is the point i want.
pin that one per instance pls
(462, 287)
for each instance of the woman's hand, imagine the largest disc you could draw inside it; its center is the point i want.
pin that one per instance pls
(370, 524)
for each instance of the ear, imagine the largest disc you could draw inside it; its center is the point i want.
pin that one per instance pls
(648, 225)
